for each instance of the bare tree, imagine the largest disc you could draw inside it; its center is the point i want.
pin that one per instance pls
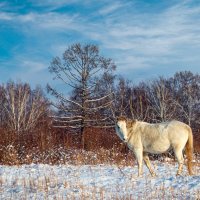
(162, 104)
(22, 107)
(138, 102)
(122, 95)
(82, 68)
(130, 100)
(2, 114)
(185, 87)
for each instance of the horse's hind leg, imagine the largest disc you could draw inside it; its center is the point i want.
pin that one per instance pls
(179, 155)
(148, 164)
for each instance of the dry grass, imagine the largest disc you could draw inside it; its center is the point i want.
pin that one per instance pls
(59, 155)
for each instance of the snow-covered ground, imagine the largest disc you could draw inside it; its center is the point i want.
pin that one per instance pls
(96, 182)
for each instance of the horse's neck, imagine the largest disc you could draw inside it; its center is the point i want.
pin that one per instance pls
(131, 130)
(137, 128)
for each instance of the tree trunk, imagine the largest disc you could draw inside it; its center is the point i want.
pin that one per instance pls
(82, 138)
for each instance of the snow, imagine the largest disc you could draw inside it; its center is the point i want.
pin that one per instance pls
(39, 181)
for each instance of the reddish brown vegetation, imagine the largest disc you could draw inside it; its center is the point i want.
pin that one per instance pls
(59, 146)
(197, 141)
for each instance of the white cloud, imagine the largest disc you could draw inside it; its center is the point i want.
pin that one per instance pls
(52, 2)
(107, 9)
(48, 20)
(5, 16)
(31, 71)
(32, 66)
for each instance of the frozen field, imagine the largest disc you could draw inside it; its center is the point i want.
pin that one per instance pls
(96, 182)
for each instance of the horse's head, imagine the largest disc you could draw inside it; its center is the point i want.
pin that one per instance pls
(121, 129)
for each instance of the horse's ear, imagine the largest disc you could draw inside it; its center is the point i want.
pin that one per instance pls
(133, 122)
(121, 118)
(130, 123)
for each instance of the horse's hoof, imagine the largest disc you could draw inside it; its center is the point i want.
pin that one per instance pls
(153, 175)
(178, 174)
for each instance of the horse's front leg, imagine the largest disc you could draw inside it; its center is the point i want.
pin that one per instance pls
(139, 156)
(148, 164)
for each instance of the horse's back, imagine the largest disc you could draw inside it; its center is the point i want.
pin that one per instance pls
(158, 138)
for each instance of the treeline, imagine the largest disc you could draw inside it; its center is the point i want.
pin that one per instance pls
(162, 99)
(31, 125)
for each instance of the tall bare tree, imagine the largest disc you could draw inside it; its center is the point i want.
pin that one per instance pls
(82, 69)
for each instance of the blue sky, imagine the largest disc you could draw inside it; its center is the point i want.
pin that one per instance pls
(145, 38)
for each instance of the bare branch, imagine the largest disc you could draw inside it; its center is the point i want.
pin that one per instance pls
(92, 100)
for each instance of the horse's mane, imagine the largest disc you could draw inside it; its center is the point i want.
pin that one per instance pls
(129, 122)
(121, 118)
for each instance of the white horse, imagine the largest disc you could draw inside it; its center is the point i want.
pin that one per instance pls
(143, 138)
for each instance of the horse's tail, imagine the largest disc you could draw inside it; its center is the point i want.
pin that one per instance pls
(189, 151)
